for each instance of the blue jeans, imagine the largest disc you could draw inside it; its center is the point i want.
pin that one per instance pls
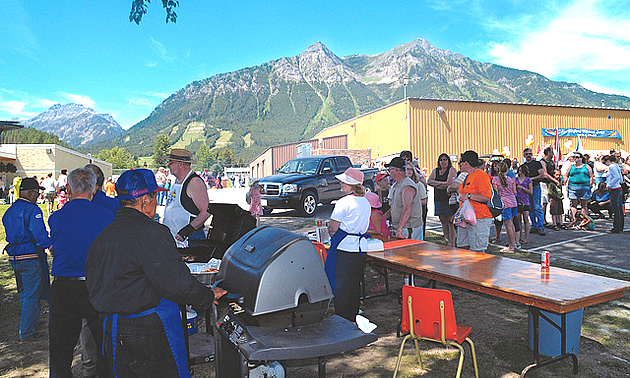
(616, 204)
(536, 213)
(28, 277)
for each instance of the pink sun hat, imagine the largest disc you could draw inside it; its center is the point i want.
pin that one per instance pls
(351, 176)
(373, 199)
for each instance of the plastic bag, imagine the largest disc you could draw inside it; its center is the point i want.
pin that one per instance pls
(465, 215)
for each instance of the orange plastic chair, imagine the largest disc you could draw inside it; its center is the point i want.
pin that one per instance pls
(429, 315)
(321, 251)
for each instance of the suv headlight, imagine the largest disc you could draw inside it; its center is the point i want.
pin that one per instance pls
(289, 188)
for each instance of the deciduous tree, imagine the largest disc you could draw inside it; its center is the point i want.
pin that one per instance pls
(139, 9)
(118, 157)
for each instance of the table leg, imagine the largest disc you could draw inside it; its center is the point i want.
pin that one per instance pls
(321, 367)
(536, 314)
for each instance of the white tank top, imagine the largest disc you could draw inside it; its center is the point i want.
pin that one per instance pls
(175, 216)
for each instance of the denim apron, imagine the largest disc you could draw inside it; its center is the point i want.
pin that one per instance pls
(169, 314)
(331, 258)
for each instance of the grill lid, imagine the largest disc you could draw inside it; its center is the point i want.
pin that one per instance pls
(272, 268)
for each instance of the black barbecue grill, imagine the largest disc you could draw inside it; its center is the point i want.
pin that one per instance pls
(283, 296)
(229, 222)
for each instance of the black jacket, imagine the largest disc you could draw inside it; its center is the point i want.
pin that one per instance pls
(134, 263)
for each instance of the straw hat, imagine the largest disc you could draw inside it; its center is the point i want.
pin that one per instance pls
(180, 154)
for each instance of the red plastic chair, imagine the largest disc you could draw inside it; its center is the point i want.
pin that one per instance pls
(429, 315)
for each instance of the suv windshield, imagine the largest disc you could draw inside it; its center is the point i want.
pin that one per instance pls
(305, 166)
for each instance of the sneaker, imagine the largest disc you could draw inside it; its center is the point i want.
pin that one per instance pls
(518, 246)
(541, 232)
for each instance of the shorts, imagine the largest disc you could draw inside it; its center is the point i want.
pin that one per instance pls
(523, 208)
(49, 197)
(544, 192)
(442, 208)
(475, 237)
(579, 192)
(555, 206)
(509, 213)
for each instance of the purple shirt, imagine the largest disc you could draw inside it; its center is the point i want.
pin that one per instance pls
(522, 197)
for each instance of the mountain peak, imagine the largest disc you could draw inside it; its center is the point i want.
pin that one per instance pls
(75, 124)
(317, 46)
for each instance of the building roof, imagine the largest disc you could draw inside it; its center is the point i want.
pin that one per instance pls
(9, 125)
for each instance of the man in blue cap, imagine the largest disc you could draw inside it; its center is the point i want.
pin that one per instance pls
(73, 228)
(136, 278)
(27, 238)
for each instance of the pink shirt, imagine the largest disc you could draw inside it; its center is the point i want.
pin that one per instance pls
(508, 197)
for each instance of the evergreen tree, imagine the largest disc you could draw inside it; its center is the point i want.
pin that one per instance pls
(160, 150)
(204, 157)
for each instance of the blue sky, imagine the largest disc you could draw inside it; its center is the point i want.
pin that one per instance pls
(88, 52)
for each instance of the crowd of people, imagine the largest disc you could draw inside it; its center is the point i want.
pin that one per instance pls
(110, 257)
(532, 194)
(117, 274)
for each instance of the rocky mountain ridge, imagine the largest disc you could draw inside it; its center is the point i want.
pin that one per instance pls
(75, 124)
(292, 98)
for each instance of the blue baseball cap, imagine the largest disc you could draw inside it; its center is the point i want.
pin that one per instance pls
(137, 182)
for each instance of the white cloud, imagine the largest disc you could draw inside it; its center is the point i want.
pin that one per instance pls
(142, 102)
(45, 103)
(13, 107)
(576, 43)
(161, 50)
(79, 99)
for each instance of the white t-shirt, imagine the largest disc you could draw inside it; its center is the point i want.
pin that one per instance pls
(50, 185)
(353, 213)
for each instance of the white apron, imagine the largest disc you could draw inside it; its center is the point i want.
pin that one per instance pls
(175, 216)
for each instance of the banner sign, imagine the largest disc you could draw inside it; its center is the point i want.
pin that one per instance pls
(585, 133)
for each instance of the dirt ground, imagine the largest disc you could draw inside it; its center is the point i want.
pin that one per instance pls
(500, 333)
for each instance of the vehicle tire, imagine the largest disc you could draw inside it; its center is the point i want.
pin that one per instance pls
(308, 204)
(267, 210)
(368, 187)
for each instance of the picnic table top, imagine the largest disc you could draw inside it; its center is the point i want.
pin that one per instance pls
(553, 289)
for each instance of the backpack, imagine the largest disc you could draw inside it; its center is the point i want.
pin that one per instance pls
(495, 205)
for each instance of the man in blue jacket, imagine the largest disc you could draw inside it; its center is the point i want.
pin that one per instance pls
(73, 229)
(27, 238)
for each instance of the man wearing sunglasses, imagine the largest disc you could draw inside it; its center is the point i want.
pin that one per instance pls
(537, 174)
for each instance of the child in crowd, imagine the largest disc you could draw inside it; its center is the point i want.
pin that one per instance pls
(62, 198)
(255, 207)
(582, 223)
(524, 187)
(555, 201)
(378, 225)
(506, 188)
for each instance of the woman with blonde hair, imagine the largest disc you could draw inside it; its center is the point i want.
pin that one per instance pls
(348, 227)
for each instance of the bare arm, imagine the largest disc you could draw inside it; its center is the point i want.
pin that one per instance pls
(376, 222)
(333, 226)
(199, 193)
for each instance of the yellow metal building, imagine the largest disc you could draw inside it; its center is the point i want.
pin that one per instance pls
(429, 127)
